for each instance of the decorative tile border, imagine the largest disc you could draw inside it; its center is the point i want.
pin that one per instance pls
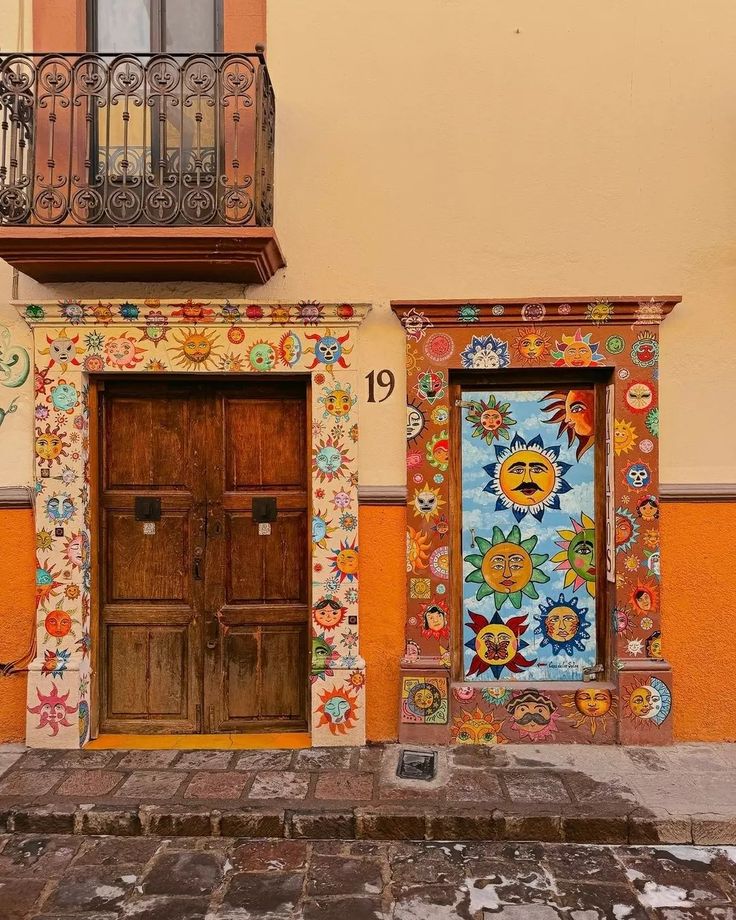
(73, 339)
(616, 334)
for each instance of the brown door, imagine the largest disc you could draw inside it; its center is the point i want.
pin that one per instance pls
(204, 614)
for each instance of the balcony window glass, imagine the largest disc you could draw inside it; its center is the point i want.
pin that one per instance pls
(124, 27)
(189, 26)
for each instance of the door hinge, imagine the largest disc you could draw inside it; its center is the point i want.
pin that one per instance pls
(592, 672)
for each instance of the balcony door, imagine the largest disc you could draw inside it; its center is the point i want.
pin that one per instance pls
(204, 606)
(160, 128)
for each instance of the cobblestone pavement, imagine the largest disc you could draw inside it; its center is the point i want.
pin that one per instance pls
(109, 878)
(575, 793)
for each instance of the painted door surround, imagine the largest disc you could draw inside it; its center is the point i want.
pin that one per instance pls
(76, 339)
(616, 339)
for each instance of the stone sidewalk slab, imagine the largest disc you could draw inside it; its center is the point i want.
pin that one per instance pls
(555, 793)
(70, 878)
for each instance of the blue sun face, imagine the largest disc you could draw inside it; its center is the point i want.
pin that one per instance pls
(563, 625)
(527, 477)
(485, 352)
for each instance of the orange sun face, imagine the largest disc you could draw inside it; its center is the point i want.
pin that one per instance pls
(531, 345)
(417, 550)
(477, 727)
(338, 710)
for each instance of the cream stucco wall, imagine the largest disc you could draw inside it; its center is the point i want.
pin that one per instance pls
(486, 149)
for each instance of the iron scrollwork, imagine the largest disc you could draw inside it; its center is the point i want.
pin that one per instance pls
(136, 139)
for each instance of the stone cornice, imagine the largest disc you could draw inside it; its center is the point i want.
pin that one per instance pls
(556, 311)
(191, 312)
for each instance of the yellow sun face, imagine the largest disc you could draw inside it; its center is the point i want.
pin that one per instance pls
(507, 568)
(496, 644)
(592, 702)
(562, 623)
(347, 561)
(624, 436)
(527, 477)
(195, 349)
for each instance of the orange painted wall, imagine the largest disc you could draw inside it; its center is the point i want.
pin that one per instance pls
(705, 689)
(382, 614)
(698, 603)
(17, 606)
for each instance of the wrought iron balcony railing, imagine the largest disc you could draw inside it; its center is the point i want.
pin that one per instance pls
(160, 139)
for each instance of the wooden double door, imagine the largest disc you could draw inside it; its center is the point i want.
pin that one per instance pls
(203, 611)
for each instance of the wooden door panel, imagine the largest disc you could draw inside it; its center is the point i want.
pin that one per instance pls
(263, 667)
(283, 654)
(266, 569)
(151, 606)
(148, 567)
(147, 672)
(168, 672)
(127, 654)
(258, 596)
(133, 461)
(264, 444)
(241, 662)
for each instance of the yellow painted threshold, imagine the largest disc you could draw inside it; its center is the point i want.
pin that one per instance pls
(220, 742)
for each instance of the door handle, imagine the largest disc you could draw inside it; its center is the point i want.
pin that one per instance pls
(212, 633)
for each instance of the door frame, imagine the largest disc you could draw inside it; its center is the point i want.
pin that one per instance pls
(615, 335)
(73, 343)
(208, 384)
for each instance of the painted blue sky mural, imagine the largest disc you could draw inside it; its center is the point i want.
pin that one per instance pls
(527, 534)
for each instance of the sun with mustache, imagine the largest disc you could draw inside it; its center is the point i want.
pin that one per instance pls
(527, 477)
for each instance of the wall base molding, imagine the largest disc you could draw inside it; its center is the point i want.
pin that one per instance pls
(668, 492)
(15, 497)
(697, 491)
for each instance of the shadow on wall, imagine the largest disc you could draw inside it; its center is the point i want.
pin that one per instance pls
(698, 600)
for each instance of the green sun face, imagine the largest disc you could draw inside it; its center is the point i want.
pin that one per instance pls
(506, 567)
(491, 420)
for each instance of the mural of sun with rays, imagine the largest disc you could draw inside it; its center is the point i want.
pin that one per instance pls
(563, 625)
(345, 561)
(338, 710)
(195, 349)
(531, 345)
(527, 477)
(592, 706)
(491, 420)
(627, 530)
(506, 568)
(624, 436)
(574, 411)
(477, 727)
(417, 550)
(577, 351)
(577, 554)
(645, 597)
(497, 645)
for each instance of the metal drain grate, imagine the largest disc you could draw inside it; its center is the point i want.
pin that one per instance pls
(417, 765)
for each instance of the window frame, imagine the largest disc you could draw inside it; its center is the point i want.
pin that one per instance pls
(158, 29)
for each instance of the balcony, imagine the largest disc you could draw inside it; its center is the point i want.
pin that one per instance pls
(138, 167)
